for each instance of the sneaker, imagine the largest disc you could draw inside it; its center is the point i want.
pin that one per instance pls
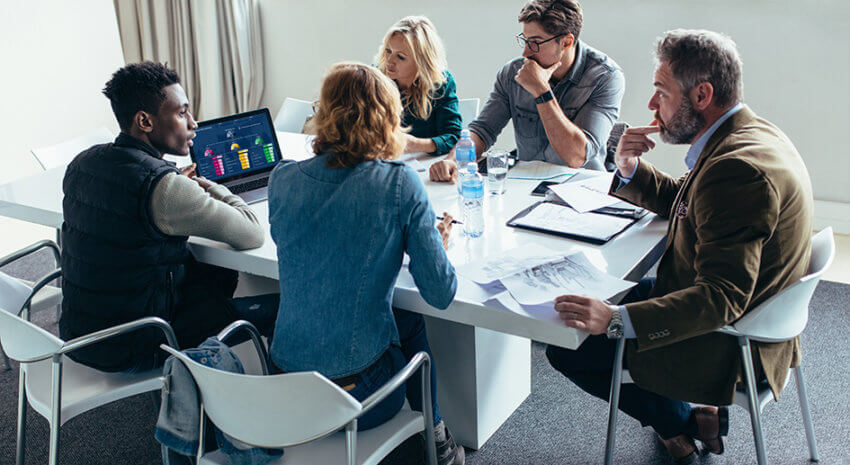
(448, 452)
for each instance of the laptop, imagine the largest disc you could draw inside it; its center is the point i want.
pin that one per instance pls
(238, 151)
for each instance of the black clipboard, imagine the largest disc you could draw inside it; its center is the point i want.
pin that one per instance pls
(598, 240)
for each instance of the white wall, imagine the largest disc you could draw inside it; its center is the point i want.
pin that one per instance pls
(56, 57)
(796, 60)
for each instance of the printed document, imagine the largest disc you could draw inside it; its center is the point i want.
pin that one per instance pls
(563, 219)
(573, 274)
(507, 263)
(540, 170)
(587, 194)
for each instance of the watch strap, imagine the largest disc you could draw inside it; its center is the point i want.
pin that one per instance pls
(544, 97)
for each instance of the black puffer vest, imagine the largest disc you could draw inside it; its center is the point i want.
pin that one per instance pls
(117, 265)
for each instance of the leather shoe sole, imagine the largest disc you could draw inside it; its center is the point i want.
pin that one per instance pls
(704, 415)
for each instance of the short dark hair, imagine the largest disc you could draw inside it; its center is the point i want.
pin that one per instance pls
(139, 86)
(698, 56)
(555, 16)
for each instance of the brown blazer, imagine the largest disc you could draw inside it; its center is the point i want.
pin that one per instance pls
(739, 232)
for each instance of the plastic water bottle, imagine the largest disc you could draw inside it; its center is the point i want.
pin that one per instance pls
(472, 192)
(464, 150)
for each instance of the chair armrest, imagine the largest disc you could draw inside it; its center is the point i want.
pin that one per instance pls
(31, 249)
(232, 328)
(37, 287)
(730, 330)
(102, 335)
(420, 360)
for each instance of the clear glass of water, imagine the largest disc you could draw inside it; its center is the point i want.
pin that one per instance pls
(497, 170)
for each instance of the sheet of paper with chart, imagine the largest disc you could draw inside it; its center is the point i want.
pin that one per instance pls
(562, 219)
(573, 274)
(540, 170)
(507, 263)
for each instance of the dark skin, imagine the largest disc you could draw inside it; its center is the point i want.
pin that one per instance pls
(170, 130)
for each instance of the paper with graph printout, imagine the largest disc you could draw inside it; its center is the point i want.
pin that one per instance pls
(507, 263)
(572, 274)
(587, 194)
(540, 170)
(562, 219)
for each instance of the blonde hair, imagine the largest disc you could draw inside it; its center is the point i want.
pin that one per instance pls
(429, 57)
(359, 116)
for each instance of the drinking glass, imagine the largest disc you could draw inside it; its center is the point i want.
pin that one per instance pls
(497, 170)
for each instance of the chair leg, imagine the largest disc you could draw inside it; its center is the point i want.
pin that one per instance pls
(56, 410)
(614, 401)
(21, 445)
(752, 397)
(351, 442)
(6, 362)
(428, 411)
(807, 414)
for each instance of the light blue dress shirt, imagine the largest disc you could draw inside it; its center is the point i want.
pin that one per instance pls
(690, 161)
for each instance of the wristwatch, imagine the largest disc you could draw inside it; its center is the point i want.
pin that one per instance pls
(615, 326)
(544, 97)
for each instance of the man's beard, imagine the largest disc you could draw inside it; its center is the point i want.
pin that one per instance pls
(685, 124)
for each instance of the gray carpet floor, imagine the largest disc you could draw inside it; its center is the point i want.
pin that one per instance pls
(557, 424)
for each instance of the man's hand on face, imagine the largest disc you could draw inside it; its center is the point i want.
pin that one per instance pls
(444, 171)
(584, 313)
(634, 142)
(535, 78)
(189, 170)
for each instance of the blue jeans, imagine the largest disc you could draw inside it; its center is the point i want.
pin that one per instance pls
(589, 367)
(413, 338)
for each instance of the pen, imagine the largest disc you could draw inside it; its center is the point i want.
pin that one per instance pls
(453, 221)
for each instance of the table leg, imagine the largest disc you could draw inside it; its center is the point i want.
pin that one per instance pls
(482, 377)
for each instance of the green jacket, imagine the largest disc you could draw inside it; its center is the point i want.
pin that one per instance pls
(739, 232)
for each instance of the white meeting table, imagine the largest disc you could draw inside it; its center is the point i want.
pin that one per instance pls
(482, 353)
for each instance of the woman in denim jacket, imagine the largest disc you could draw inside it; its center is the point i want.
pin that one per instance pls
(342, 222)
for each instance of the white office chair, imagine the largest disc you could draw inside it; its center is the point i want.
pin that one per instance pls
(56, 387)
(292, 115)
(304, 413)
(44, 296)
(780, 318)
(468, 108)
(63, 152)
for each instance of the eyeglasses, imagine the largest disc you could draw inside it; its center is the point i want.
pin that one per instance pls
(533, 45)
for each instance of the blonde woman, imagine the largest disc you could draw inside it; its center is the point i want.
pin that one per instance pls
(412, 55)
(342, 222)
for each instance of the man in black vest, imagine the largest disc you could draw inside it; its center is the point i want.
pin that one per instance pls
(128, 214)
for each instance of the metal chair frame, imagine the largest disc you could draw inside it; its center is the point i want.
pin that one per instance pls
(17, 255)
(419, 361)
(752, 399)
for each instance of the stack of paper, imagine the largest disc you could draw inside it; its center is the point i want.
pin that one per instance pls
(586, 195)
(540, 170)
(533, 276)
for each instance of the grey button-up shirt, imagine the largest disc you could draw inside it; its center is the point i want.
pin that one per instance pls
(589, 94)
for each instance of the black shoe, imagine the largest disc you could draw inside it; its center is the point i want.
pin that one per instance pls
(448, 453)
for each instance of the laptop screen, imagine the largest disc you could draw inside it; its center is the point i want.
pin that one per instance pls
(235, 146)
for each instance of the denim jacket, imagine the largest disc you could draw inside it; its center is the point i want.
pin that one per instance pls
(589, 94)
(179, 413)
(341, 235)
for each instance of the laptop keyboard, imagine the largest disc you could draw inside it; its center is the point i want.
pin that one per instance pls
(250, 185)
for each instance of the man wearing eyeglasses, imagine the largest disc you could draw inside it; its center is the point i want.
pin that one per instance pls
(562, 95)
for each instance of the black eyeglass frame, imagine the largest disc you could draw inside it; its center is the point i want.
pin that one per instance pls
(534, 45)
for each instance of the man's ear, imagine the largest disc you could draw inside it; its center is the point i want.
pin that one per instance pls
(569, 40)
(702, 95)
(144, 121)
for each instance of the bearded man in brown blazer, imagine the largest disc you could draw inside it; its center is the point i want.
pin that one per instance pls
(739, 232)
